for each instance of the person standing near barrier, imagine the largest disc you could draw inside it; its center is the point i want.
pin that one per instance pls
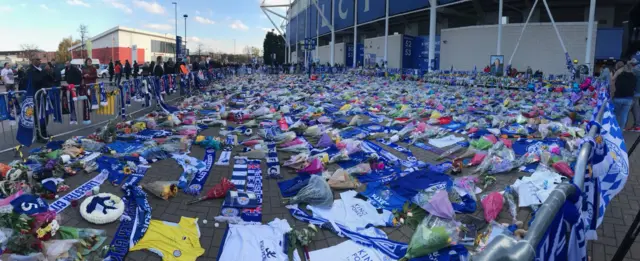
(35, 76)
(111, 70)
(48, 80)
(169, 67)
(136, 68)
(127, 69)
(57, 72)
(90, 74)
(158, 71)
(622, 89)
(7, 77)
(635, 109)
(118, 71)
(72, 75)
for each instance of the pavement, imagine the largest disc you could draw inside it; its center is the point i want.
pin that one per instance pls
(619, 215)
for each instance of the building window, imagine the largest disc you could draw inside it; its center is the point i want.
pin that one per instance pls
(162, 47)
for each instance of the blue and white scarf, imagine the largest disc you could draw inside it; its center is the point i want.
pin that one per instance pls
(197, 183)
(239, 174)
(273, 164)
(78, 193)
(386, 156)
(26, 117)
(133, 225)
(411, 161)
(254, 184)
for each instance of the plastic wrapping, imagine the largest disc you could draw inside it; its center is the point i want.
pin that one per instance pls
(431, 235)
(492, 205)
(439, 205)
(509, 195)
(316, 193)
(162, 189)
(341, 179)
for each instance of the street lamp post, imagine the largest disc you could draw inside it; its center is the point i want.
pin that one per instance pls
(185, 33)
(176, 18)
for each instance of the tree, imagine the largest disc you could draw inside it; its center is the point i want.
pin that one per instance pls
(273, 44)
(84, 36)
(29, 50)
(199, 49)
(63, 54)
(255, 51)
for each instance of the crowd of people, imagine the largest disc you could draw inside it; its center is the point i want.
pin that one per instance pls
(625, 90)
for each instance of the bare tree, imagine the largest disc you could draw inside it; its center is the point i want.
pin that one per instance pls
(29, 50)
(199, 49)
(84, 36)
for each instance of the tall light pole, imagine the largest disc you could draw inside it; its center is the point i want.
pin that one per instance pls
(176, 18)
(185, 33)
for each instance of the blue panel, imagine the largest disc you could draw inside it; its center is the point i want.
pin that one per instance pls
(344, 13)
(325, 6)
(294, 30)
(369, 10)
(359, 57)
(403, 6)
(302, 22)
(408, 53)
(423, 57)
(609, 43)
(314, 21)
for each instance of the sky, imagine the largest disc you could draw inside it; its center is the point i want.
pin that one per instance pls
(213, 23)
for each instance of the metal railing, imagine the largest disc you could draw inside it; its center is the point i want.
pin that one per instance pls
(131, 88)
(9, 124)
(505, 248)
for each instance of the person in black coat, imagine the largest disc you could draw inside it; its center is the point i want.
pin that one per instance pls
(111, 70)
(34, 75)
(136, 68)
(195, 66)
(127, 69)
(169, 67)
(158, 71)
(72, 74)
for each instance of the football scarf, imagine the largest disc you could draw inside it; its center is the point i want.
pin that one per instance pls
(4, 112)
(127, 90)
(95, 94)
(103, 95)
(123, 114)
(224, 158)
(239, 174)
(64, 101)
(393, 249)
(86, 111)
(133, 225)
(54, 99)
(29, 204)
(197, 183)
(26, 117)
(386, 156)
(78, 193)
(254, 184)
(273, 164)
(13, 107)
(42, 108)
(411, 161)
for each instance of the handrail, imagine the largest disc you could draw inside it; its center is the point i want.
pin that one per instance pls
(505, 248)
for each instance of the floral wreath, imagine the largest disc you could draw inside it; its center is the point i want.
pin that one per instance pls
(102, 208)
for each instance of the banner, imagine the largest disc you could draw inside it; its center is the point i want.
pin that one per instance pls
(369, 10)
(343, 13)
(26, 116)
(78, 193)
(325, 7)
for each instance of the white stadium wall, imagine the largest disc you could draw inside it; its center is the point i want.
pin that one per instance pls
(466, 47)
(376, 46)
(339, 56)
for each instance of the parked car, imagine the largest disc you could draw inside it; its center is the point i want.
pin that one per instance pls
(103, 71)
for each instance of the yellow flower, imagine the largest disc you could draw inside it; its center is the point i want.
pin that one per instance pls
(127, 170)
(199, 138)
(41, 232)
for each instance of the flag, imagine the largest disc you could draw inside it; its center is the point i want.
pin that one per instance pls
(26, 116)
(609, 161)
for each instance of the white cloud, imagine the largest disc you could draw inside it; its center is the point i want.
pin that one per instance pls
(5, 9)
(195, 39)
(45, 7)
(78, 2)
(117, 4)
(203, 20)
(151, 7)
(238, 25)
(161, 27)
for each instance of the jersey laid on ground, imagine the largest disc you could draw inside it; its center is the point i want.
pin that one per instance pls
(353, 212)
(173, 242)
(256, 242)
(352, 251)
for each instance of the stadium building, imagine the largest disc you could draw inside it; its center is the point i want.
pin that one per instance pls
(122, 43)
(466, 32)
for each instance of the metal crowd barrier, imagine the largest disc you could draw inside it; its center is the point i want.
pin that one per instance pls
(505, 248)
(10, 117)
(129, 93)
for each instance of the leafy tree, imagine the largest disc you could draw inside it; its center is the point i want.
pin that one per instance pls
(63, 54)
(29, 50)
(273, 44)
